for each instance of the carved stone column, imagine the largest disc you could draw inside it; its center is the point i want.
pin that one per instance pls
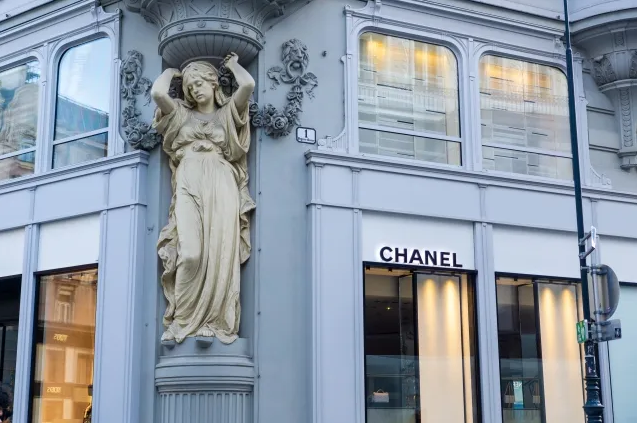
(208, 29)
(197, 381)
(613, 52)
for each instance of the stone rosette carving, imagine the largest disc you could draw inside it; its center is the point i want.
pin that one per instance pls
(139, 134)
(280, 122)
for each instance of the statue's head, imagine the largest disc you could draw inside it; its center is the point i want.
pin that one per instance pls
(200, 83)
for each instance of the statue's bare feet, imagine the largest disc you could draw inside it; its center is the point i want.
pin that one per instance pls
(167, 336)
(206, 332)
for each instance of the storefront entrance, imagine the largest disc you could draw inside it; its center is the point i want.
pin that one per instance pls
(420, 346)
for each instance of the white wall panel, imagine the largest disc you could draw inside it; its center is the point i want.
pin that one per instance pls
(623, 366)
(71, 242)
(396, 231)
(620, 254)
(11, 252)
(535, 252)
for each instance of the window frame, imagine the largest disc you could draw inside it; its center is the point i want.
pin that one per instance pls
(473, 284)
(421, 35)
(522, 57)
(15, 62)
(115, 144)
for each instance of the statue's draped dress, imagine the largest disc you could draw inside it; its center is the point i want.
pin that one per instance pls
(208, 234)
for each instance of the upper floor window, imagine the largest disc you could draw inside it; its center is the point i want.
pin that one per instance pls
(408, 99)
(524, 116)
(19, 94)
(82, 104)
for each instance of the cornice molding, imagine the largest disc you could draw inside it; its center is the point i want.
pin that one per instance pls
(209, 29)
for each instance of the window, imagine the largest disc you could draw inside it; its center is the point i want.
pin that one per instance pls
(540, 360)
(408, 100)
(19, 100)
(9, 317)
(420, 347)
(525, 119)
(64, 347)
(82, 105)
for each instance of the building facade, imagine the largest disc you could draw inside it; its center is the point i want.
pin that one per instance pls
(414, 243)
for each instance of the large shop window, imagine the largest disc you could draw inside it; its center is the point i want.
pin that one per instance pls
(524, 116)
(408, 100)
(540, 360)
(420, 347)
(19, 94)
(82, 107)
(64, 347)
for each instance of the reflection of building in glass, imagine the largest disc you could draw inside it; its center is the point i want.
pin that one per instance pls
(65, 337)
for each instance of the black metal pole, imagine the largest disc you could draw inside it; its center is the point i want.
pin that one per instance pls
(593, 407)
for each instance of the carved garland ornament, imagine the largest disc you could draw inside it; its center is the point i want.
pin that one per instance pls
(139, 134)
(278, 123)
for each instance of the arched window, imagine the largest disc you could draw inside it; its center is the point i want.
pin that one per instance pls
(82, 104)
(408, 99)
(19, 101)
(524, 117)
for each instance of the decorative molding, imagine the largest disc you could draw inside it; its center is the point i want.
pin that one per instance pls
(600, 179)
(296, 60)
(139, 134)
(337, 143)
(626, 117)
(603, 72)
(209, 30)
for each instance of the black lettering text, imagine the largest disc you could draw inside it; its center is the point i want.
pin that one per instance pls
(444, 259)
(431, 258)
(415, 257)
(455, 261)
(383, 257)
(398, 255)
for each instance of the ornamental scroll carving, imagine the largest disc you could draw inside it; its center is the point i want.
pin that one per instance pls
(139, 134)
(603, 72)
(278, 123)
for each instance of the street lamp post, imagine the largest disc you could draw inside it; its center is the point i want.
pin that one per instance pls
(593, 407)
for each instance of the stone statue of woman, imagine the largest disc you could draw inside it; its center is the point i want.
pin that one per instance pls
(207, 238)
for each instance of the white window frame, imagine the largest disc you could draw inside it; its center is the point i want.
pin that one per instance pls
(360, 23)
(20, 60)
(520, 148)
(115, 142)
(540, 58)
(45, 39)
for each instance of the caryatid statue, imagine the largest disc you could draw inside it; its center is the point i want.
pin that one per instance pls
(206, 136)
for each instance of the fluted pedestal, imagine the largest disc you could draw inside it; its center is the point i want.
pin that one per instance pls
(211, 385)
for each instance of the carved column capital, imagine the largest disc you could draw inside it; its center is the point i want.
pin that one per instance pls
(208, 29)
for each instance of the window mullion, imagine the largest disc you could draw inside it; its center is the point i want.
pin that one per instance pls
(528, 149)
(80, 136)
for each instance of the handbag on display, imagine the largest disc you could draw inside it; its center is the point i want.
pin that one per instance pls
(509, 397)
(380, 396)
(536, 393)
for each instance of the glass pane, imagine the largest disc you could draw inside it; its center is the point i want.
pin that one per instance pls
(65, 347)
(421, 357)
(408, 84)
(81, 150)
(402, 145)
(84, 89)
(540, 360)
(16, 166)
(524, 104)
(521, 162)
(19, 93)
(9, 317)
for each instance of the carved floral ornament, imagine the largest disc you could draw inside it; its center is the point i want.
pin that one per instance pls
(616, 66)
(275, 122)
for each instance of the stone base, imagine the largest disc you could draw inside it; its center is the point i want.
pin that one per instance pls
(205, 383)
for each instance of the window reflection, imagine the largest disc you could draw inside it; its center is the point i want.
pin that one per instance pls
(540, 359)
(19, 94)
(65, 347)
(412, 88)
(82, 150)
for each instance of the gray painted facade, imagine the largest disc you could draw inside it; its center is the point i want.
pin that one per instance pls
(322, 209)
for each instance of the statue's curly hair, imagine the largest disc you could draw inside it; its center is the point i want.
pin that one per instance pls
(206, 72)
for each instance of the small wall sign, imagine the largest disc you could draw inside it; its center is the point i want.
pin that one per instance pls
(306, 135)
(418, 257)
